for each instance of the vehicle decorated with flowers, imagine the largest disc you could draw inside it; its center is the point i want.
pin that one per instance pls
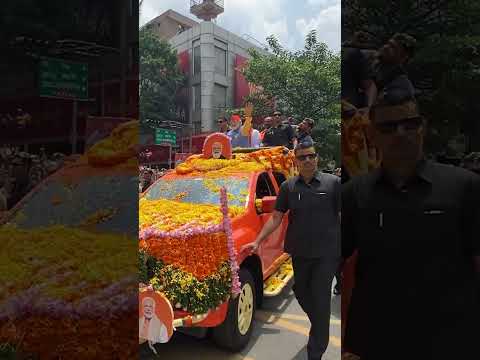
(193, 223)
(67, 277)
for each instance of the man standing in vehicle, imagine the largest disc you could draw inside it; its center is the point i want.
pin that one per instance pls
(279, 134)
(313, 240)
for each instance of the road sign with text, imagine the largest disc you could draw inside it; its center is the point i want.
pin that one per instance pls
(165, 136)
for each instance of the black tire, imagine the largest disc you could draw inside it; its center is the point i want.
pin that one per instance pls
(228, 335)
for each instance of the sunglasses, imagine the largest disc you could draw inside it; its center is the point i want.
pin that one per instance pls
(277, 114)
(408, 125)
(307, 156)
(220, 121)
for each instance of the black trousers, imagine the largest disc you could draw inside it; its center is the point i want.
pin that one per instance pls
(313, 286)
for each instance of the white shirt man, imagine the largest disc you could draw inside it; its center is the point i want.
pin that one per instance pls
(255, 138)
(150, 326)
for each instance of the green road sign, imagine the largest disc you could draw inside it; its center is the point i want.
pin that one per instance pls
(58, 78)
(164, 136)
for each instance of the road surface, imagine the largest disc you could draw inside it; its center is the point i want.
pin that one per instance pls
(281, 333)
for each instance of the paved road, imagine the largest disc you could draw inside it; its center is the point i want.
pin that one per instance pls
(281, 332)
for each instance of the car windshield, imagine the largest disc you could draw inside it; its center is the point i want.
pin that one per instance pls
(200, 190)
(99, 201)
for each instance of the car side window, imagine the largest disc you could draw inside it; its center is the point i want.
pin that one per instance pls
(279, 178)
(264, 186)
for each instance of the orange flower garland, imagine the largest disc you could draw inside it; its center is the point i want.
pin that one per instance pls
(265, 159)
(191, 254)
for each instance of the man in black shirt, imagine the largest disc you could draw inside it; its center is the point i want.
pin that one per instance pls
(313, 240)
(305, 130)
(413, 223)
(391, 77)
(279, 134)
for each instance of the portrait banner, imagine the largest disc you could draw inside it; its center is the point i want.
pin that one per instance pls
(155, 317)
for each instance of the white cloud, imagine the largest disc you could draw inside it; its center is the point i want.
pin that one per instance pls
(256, 19)
(323, 3)
(285, 19)
(327, 23)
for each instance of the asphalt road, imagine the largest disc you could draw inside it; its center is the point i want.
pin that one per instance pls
(281, 333)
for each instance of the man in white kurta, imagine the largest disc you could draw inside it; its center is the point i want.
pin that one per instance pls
(150, 326)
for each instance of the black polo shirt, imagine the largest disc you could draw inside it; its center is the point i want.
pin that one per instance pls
(313, 223)
(281, 135)
(415, 247)
(393, 83)
(304, 137)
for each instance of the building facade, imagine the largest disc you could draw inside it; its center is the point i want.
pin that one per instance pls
(211, 56)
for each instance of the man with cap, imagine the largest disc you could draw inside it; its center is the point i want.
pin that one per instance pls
(241, 134)
(414, 224)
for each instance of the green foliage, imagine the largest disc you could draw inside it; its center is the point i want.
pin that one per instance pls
(7, 351)
(88, 20)
(446, 68)
(160, 80)
(196, 296)
(304, 83)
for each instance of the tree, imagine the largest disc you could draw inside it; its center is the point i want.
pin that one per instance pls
(304, 83)
(87, 20)
(446, 69)
(160, 80)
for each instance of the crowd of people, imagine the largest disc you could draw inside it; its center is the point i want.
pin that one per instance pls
(21, 171)
(276, 130)
(148, 175)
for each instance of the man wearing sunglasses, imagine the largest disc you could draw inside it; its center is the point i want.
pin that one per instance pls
(413, 223)
(313, 240)
(222, 124)
(279, 134)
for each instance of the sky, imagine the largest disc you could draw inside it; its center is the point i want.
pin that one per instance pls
(288, 20)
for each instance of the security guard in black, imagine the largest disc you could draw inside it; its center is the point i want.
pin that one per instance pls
(313, 241)
(313, 227)
(415, 270)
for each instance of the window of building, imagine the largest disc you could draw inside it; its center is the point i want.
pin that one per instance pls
(197, 98)
(220, 61)
(219, 99)
(196, 57)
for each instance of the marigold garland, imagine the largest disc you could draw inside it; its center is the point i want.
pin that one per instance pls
(47, 293)
(169, 215)
(194, 243)
(119, 147)
(51, 304)
(265, 159)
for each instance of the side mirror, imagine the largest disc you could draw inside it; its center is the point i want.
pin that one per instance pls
(268, 204)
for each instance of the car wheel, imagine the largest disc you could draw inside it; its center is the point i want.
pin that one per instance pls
(235, 332)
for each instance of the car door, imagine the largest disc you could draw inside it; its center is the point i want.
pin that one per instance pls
(278, 178)
(272, 246)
